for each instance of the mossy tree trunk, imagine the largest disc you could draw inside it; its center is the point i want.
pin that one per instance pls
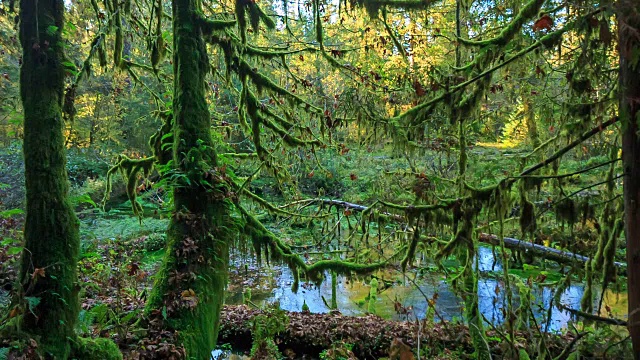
(189, 288)
(48, 271)
(628, 30)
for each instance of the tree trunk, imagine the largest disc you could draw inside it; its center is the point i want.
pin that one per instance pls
(189, 288)
(49, 260)
(629, 43)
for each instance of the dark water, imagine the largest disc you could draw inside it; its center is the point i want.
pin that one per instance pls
(274, 284)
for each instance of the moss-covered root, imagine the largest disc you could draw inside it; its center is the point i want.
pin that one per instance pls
(48, 275)
(96, 349)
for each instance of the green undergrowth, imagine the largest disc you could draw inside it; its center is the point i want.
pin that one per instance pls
(96, 349)
(126, 227)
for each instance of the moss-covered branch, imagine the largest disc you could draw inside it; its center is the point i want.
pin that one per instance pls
(530, 10)
(270, 208)
(549, 38)
(240, 155)
(208, 26)
(262, 81)
(265, 240)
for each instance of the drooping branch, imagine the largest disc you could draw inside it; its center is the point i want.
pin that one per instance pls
(588, 316)
(528, 11)
(549, 38)
(264, 239)
(560, 256)
(570, 146)
(486, 191)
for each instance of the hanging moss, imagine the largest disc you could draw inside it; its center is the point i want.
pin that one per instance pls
(411, 251)
(267, 243)
(566, 212)
(527, 216)
(256, 15)
(586, 303)
(162, 140)
(609, 253)
(334, 290)
(607, 219)
(373, 295)
(129, 169)
(119, 37)
(157, 44)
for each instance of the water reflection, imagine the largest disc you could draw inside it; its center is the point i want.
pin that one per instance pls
(277, 280)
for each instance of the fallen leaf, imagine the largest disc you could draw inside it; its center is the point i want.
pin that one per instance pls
(544, 23)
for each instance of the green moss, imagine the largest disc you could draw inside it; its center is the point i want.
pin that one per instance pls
(528, 11)
(48, 271)
(373, 294)
(586, 303)
(189, 287)
(411, 250)
(273, 248)
(130, 169)
(609, 253)
(96, 349)
(334, 290)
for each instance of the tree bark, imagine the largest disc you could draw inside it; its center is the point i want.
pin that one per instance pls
(189, 288)
(49, 261)
(629, 108)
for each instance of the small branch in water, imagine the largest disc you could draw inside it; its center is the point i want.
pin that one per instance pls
(602, 319)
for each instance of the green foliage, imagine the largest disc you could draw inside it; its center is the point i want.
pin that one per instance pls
(124, 227)
(265, 328)
(96, 349)
(338, 351)
(155, 241)
(85, 164)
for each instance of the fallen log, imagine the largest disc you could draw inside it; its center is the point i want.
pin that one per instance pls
(371, 336)
(309, 333)
(560, 256)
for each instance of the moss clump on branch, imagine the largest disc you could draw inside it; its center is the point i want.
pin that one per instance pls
(608, 265)
(566, 212)
(527, 219)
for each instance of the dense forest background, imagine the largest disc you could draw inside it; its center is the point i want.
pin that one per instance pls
(440, 179)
